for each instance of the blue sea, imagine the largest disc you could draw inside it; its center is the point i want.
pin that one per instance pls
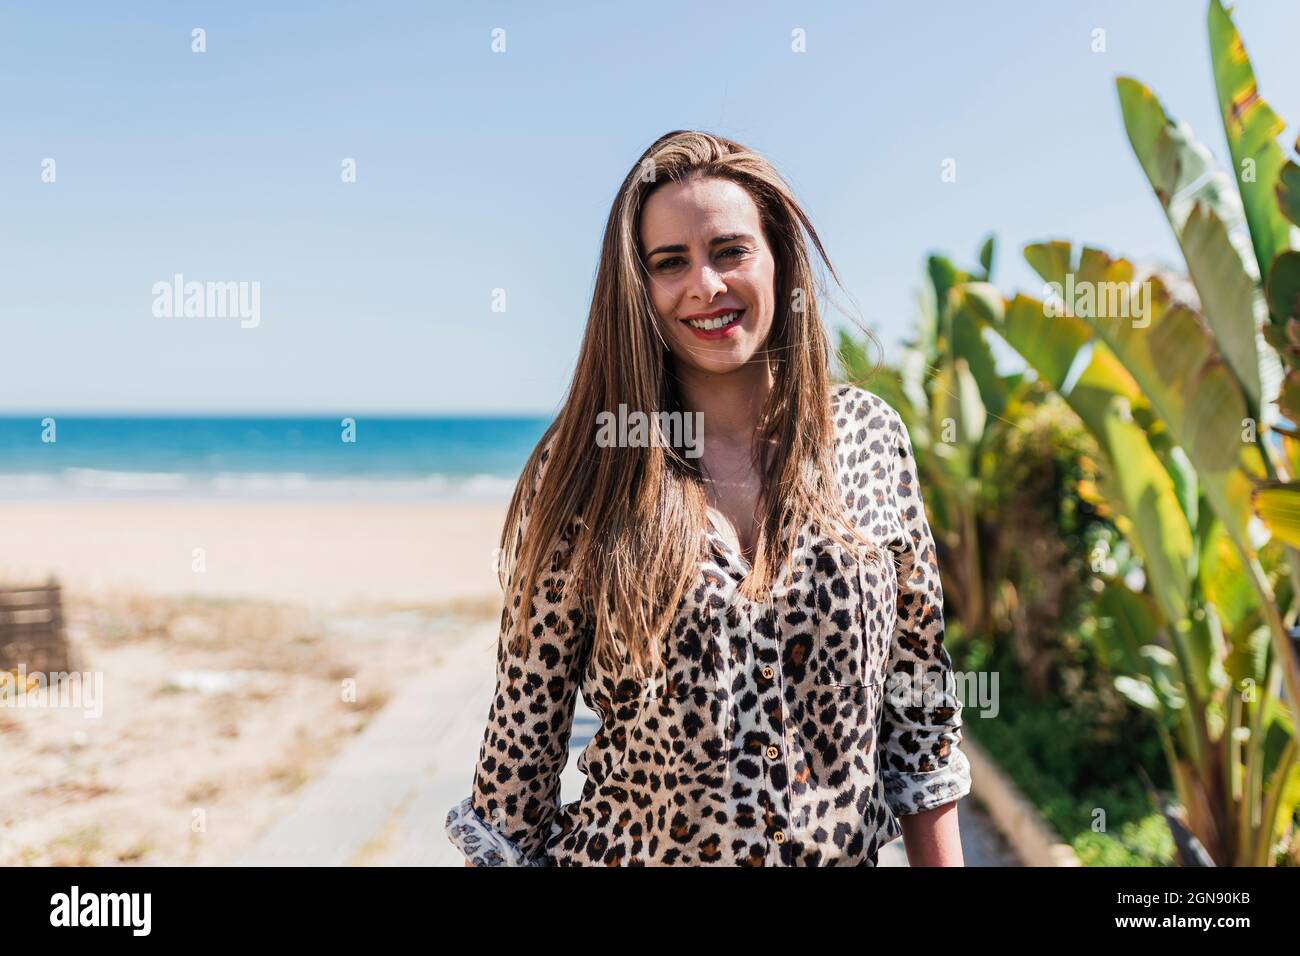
(403, 458)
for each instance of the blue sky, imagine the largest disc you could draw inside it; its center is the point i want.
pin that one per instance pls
(478, 171)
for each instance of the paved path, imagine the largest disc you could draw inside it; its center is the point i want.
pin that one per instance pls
(383, 800)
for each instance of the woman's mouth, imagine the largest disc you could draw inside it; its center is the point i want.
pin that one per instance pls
(717, 326)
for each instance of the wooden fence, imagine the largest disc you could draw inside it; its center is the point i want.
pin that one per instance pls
(31, 628)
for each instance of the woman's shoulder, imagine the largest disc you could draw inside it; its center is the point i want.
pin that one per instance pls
(874, 459)
(863, 418)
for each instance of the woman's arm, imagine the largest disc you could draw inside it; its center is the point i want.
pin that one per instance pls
(924, 770)
(931, 837)
(505, 820)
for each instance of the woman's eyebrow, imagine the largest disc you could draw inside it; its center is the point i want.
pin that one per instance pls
(729, 237)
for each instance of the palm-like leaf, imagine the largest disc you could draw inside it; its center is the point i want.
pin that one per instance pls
(1176, 364)
(1138, 486)
(1202, 208)
(1252, 129)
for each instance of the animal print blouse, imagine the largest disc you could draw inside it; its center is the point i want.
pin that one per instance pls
(786, 733)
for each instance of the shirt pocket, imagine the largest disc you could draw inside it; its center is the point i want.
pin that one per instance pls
(839, 804)
(854, 610)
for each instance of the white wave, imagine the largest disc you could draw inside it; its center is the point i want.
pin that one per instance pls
(128, 481)
(83, 483)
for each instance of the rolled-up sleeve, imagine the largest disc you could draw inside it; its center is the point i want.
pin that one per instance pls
(923, 766)
(525, 745)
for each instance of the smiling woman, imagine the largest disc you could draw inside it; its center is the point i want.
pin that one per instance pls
(734, 271)
(734, 615)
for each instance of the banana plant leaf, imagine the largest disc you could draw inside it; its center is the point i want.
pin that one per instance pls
(1288, 189)
(1137, 484)
(1284, 303)
(987, 253)
(966, 331)
(1202, 637)
(1278, 506)
(969, 345)
(1252, 128)
(1283, 770)
(1126, 622)
(1225, 583)
(1247, 658)
(1284, 288)
(1202, 207)
(1174, 360)
(1186, 485)
(957, 418)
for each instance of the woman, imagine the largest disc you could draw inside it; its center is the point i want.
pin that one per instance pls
(752, 617)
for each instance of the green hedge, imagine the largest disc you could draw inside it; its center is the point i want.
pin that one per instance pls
(1071, 757)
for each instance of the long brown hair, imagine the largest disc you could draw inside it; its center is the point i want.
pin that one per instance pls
(630, 519)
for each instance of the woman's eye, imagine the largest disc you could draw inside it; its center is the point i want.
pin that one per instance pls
(672, 261)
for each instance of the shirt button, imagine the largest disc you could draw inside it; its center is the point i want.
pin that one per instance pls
(767, 672)
(779, 836)
(772, 752)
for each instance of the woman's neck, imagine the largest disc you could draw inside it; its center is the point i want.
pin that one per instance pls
(731, 404)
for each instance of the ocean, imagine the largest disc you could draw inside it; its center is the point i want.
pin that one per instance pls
(392, 457)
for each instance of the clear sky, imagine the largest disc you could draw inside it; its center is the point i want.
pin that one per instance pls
(479, 170)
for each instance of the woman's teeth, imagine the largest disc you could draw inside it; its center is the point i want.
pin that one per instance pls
(708, 325)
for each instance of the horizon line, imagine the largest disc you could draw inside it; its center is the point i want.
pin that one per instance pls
(268, 413)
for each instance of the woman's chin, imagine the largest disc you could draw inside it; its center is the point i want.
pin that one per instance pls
(716, 358)
(721, 364)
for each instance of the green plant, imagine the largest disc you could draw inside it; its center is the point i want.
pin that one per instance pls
(1005, 466)
(952, 400)
(1073, 751)
(1179, 381)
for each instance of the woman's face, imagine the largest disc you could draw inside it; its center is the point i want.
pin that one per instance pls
(706, 257)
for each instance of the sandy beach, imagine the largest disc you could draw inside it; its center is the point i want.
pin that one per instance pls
(225, 690)
(318, 554)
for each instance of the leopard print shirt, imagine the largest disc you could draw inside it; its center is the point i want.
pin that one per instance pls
(791, 732)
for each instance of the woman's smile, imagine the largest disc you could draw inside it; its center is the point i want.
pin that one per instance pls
(715, 325)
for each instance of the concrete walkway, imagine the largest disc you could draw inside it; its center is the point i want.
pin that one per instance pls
(383, 800)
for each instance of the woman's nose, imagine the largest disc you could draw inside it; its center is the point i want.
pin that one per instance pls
(706, 283)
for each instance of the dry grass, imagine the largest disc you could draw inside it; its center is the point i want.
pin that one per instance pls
(174, 775)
